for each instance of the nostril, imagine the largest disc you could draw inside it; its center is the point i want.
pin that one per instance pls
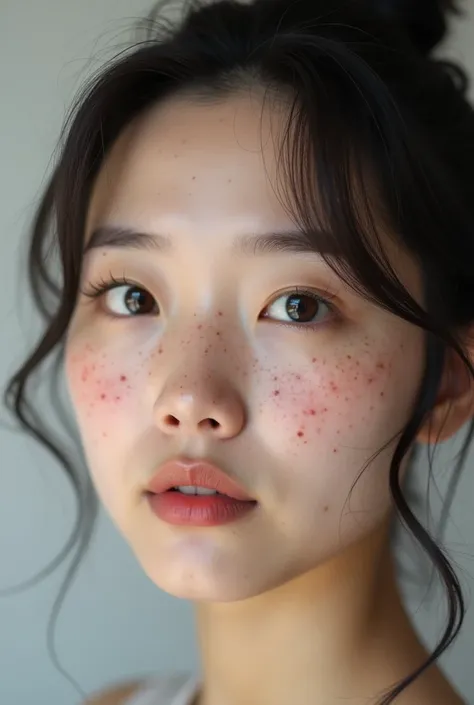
(212, 423)
(171, 420)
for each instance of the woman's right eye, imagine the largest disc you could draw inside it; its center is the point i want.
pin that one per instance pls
(123, 298)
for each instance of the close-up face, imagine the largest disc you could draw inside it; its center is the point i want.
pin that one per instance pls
(304, 380)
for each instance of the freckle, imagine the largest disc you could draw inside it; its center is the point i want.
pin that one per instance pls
(206, 351)
(194, 178)
(104, 434)
(117, 398)
(219, 313)
(275, 379)
(225, 349)
(160, 350)
(140, 352)
(217, 333)
(103, 396)
(325, 408)
(276, 392)
(298, 376)
(300, 434)
(370, 380)
(381, 366)
(381, 394)
(326, 508)
(349, 357)
(123, 378)
(334, 450)
(200, 326)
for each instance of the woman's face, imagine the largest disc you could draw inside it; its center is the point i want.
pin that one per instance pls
(302, 403)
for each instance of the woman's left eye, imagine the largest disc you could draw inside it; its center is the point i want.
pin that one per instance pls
(303, 307)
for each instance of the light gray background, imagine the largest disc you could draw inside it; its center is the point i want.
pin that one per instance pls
(115, 622)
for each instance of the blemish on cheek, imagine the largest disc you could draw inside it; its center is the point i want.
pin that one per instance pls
(123, 378)
(276, 392)
(300, 434)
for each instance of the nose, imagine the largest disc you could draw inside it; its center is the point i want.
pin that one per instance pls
(201, 407)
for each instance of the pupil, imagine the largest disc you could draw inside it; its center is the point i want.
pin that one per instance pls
(135, 297)
(302, 307)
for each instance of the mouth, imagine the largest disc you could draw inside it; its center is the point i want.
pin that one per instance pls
(197, 493)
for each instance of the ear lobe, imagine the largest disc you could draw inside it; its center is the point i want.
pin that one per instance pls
(454, 404)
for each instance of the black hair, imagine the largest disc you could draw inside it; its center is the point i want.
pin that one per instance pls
(367, 100)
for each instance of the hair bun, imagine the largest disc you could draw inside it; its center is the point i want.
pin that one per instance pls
(424, 21)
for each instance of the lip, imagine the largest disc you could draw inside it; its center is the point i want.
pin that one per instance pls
(198, 473)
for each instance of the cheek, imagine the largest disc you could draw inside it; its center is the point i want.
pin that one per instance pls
(327, 401)
(102, 388)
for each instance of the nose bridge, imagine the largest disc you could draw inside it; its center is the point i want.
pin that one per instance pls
(197, 390)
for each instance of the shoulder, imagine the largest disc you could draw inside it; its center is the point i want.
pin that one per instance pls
(115, 695)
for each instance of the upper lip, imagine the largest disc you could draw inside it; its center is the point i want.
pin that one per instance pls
(198, 473)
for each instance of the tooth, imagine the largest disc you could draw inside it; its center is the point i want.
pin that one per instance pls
(190, 489)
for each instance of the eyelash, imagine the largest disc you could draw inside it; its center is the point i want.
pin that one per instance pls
(104, 285)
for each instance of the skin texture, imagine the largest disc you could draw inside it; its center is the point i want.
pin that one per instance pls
(296, 602)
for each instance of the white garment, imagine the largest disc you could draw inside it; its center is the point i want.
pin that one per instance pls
(166, 690)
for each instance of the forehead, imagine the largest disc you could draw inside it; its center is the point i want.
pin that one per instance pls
(185, 159)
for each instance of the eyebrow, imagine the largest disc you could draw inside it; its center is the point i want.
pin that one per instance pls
(291, 241)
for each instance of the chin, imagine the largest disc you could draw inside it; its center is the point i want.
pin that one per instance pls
(196, 583)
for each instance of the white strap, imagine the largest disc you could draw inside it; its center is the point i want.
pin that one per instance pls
(166, 690)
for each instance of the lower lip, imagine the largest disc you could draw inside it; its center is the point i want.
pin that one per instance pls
(198, 510)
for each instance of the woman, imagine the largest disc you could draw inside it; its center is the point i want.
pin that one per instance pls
(265, 221)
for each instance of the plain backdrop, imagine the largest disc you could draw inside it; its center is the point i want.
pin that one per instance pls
(115, 623)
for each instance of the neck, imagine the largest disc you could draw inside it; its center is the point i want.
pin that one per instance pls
(337, 631)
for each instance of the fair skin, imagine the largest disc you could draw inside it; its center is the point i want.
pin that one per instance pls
(297, 602)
